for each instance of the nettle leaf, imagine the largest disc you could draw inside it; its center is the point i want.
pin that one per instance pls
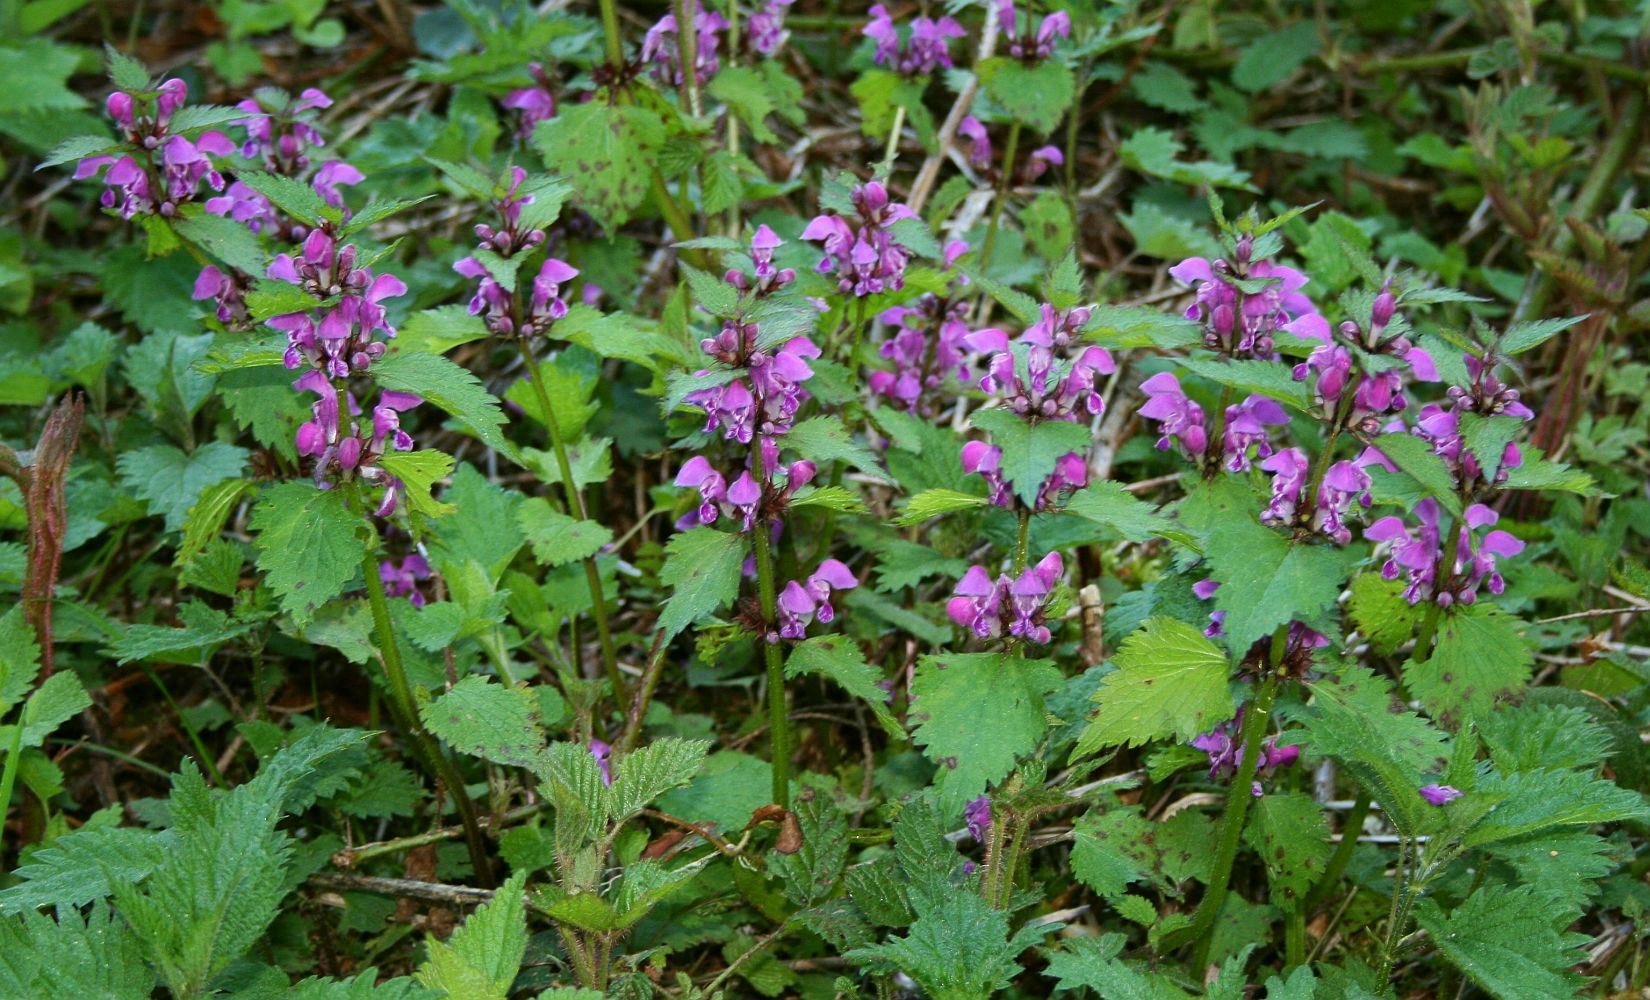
(745, 91)
(557, 538)
(486, 719)
(1107, 504)
(207, 515)
(309, 546)
(702, 568)
(1534, 737)
(1521, 337)
(1381, 613)
(903, 564)
(1488, 437)
(1170, 681)
(171, 481)
(419, 471)
(448, 386)
(1479, 657)
(487, 532)
(1289, 833)
(1272, 379)
(834, 498)
(80, 147)
(288, 194)
(1355, 719)
(605, 150)
(1152, 151)
(1127, 327)
(1538, 474)
(224, 238)
(1565, 868)
(438, 330)
(649, 772)
(1533, 801)
(1036, 94)
(958, 948)
(80, 867)
(933, 503)
(483, 956)
(58, 698)
(1113, 847)
(1505, 940)
(1092, 962)
(840, 658)
(824, 439)
(1274, 55)
(1030, 451)
(1267, 581)
(1414, 456)
(203, 627)
(954, 692)
(19, 658)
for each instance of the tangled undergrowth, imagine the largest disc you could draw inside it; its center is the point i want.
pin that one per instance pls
(948, 500)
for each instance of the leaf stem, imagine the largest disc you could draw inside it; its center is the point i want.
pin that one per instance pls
(1237, 808)
(1343, 853)
(8, 778)
(778, 724)
(406, 714)
(610, 28)
(1022, 544)
(575, 507)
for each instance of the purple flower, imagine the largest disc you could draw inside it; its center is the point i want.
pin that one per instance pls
(1487, 395)
(1015, 606)
(164, 170)
(1042, 387)
(931, 337)
(224, 290)
(765, 29)
(1376, 394)
(1069, 475)
(767, 278)
(1182, 419)
(402, 580)
(979, 153)
(768, 404)
(535, 104)
(1418, 553)
(868, 260)
(1042, 45)
(1289, 469)
(603, 754)
(1240, 323)
(661, 47)
(333, 175)
(1203, 590)
(1440, 795)
(1342, 483)
(281, 136)
(1246, 425)
(927, 48)
(799, 603)
(1226, 754)
(246, 206)
(977, 815)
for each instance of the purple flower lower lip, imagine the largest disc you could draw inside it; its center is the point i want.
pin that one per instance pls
(1440, 795)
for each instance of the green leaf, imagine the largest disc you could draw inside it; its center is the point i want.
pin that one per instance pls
(1092, 962)
(1521, 337)
(1381, 613)
(1534, 801)
(557, 538)
(1047, 223)
(836, 498)
(1107, 504)
(439, 330)
(1505, 940)
(471, 180)
(19, 658)
(308, 545)
(229, 241)
(443, 383)
(1536, 737)
(606, 151)
(701, 569)
(1288, 831)
(481, 959)
(207, 515)
(1267, 581)
(958, 949)
(486, 530)
(1415, 457)
(58, 698)
(953, 692)
(1037, 94)
(288, 194)
(1267, 378)
(933, 503)
(203, 627)
(1355, 719)
(840, 658)
(1030, 451)
(824, 440)
(648, 772)
(1487, 438)
(485, 719)
(419, 471)
(1538, 474)
(1153, 151)
(79, 147)
(1170, 681)
(745, 91)
(1162, 86)
(1123, 327)
(1479, 657)
(270, 297)
(903, 564)
(1274, 55)
(172, 482)
(80, 867)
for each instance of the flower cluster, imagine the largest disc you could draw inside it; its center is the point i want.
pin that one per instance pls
(927, 47)
(1071, 473)
(534, 104)
(280, 137)
(1417, 554)
(802, 602)
(337, 340)
(164, 169)
(662, 48)
(1343, 482)
(867, 260)
(979, 153)
(1035, 383)
(1226, 753)
(765, 29)
(1243, 437)
(1242, 303)
(1377, 394)
(496, 304)
(764, 400)
(765, 279)
(743, 498)
(1039, 46)
(929, 339)
(1011, 606)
